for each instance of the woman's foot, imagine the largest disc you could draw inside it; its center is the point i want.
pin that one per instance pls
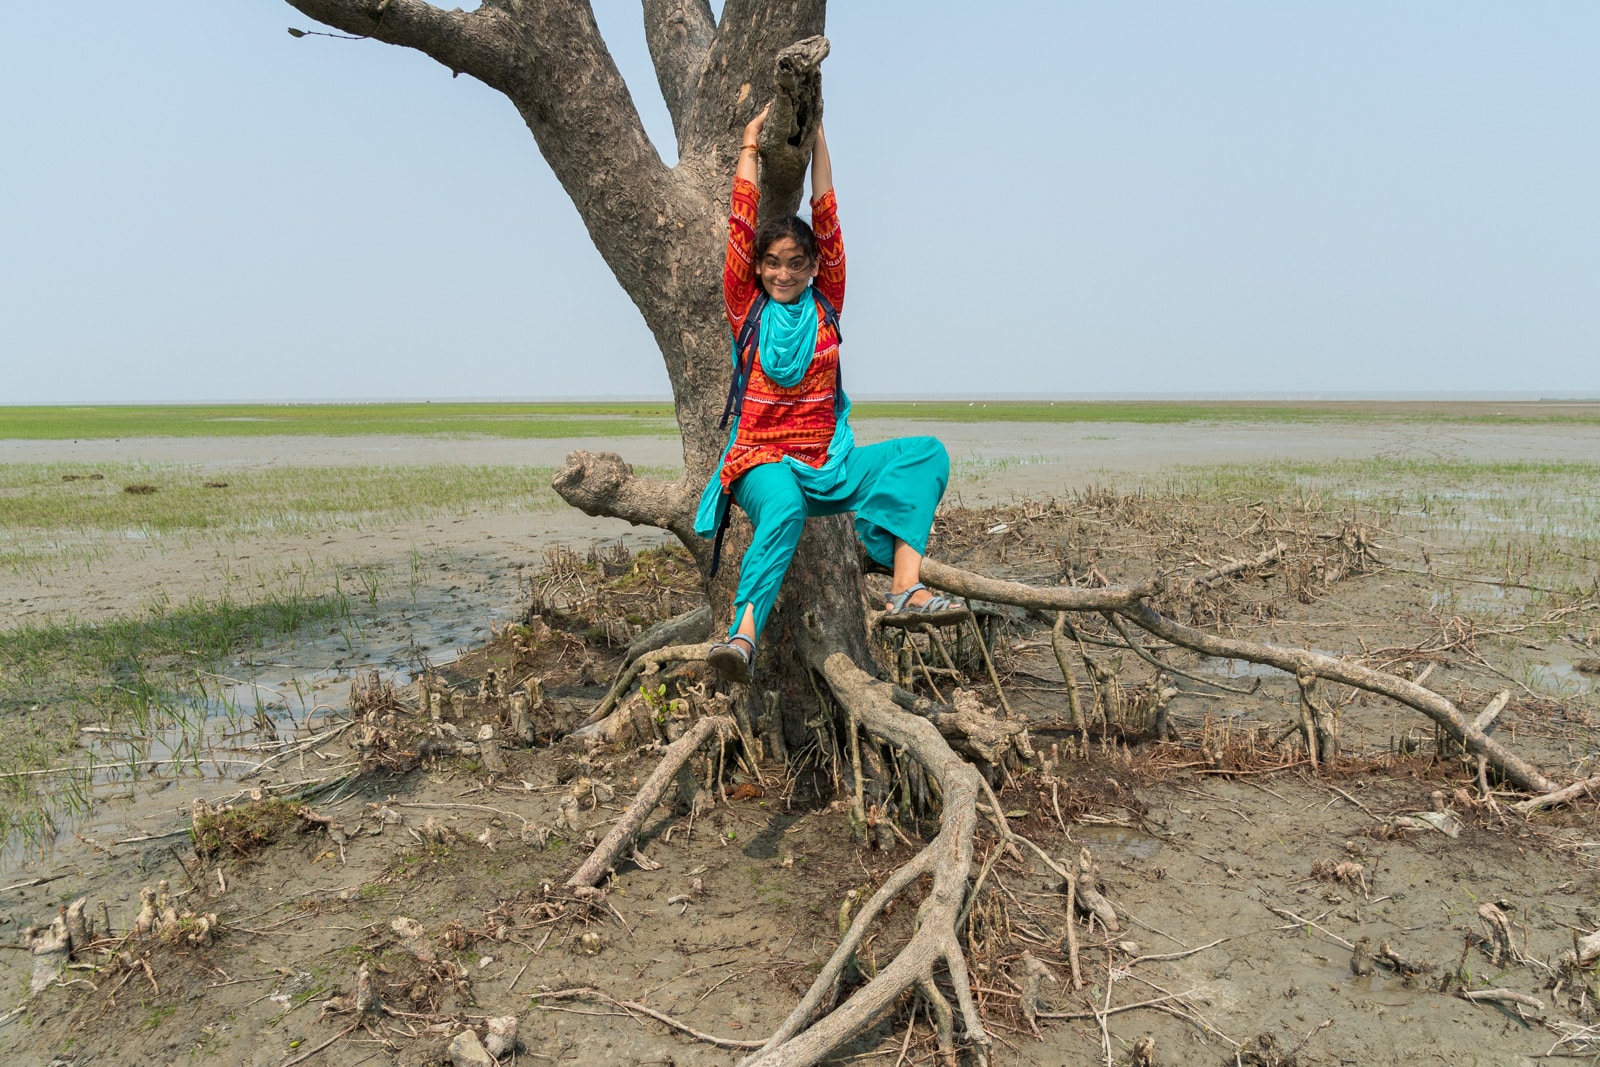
(732, 658)
(917, 600)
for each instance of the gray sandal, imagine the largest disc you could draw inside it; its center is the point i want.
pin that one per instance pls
(733, 661)
(900, 603)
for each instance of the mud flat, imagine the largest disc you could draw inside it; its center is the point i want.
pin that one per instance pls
(1241, 875)
(126, 570)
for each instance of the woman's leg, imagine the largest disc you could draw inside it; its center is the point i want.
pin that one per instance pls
(907, 573)
(894, 487)
(771, 496)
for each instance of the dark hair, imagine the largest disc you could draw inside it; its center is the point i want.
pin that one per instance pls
(774, 230)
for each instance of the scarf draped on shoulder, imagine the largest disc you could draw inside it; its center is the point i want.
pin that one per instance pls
(788, 339)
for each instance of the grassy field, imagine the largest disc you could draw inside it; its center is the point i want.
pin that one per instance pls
(170, 498)
(656, 419)
(1531, 523)
(336, 420)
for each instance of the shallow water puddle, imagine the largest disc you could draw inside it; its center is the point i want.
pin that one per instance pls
(230, 733)
(1118, 842)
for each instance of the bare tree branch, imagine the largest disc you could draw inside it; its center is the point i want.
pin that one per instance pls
(468, 42)
(679, 33)
(549, 59)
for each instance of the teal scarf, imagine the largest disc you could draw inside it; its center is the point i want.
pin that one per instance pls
(788, 339)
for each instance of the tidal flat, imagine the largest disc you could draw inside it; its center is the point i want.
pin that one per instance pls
(191, 640)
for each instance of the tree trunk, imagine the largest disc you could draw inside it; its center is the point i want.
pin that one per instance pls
(662, 232)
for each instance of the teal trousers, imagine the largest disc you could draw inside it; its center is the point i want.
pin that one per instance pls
(893, 487)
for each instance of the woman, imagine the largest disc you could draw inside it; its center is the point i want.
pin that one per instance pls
(790, 451)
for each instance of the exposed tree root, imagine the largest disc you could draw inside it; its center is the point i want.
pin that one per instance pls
(1301, 662)
(1587, 788)
(649, 661)
(620, 840)
(947, 859)
(939, 739)
(659, 1016)
(1129, 602)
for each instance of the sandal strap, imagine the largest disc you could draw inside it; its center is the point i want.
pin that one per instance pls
(900, 601)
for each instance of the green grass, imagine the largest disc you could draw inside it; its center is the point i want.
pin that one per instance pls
(1142, 411)
(532, 420)
(140, 677)
(255, 420)
(1533, 523)
(67, 497)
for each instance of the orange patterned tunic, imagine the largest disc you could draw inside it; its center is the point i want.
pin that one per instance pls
(797, 421)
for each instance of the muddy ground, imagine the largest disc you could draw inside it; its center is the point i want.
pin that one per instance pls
(1221, 847)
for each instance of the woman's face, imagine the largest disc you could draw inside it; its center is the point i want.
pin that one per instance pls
(785, 270)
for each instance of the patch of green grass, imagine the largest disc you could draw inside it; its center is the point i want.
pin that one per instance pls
(1523, 523)
(533, 420)
(137, 678)
(68, 498)
(55, 423)
(156, 1014)
(242, 830)
(1179, 411)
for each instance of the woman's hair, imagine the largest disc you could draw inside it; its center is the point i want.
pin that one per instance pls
(774, 230)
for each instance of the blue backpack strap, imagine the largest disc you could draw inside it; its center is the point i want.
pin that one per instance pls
(716, 546)
(744, 347)
(830, 317)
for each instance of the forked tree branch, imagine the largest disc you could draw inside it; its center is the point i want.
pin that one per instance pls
(679, 33)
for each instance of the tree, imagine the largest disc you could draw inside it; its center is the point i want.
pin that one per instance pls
(660, 230)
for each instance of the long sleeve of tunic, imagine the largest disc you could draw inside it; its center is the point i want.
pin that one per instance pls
(797, 421)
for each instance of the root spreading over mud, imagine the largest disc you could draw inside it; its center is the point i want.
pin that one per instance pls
(1049, 818)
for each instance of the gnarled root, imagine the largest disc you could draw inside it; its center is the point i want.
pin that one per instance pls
(647, 662)
(1130, 603)
(947, 860)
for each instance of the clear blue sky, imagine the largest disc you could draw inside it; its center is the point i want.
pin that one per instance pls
(1051, 197)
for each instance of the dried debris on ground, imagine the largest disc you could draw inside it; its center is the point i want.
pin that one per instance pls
(1218, 851)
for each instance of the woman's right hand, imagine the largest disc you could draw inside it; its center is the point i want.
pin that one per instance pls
(752, 131)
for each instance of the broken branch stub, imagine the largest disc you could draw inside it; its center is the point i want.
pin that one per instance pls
(791, 127)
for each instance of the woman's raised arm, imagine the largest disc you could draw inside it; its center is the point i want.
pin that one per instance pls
(821, 165)
(750, 150)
